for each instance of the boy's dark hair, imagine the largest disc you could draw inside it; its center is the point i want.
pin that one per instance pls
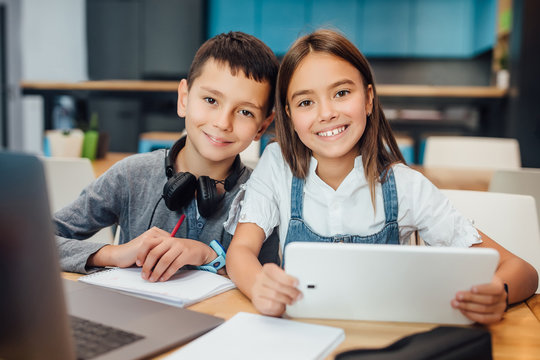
(241, 52)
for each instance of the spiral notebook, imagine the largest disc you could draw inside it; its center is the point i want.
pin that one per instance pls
(184, 288)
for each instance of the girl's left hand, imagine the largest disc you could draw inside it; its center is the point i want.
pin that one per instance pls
(484, 303)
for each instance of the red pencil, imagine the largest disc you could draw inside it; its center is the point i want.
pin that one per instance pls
(178, 225)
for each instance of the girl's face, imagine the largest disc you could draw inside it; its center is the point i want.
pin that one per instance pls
(328, 104)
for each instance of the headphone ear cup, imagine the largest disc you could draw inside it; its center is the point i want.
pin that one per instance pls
(208, 200)
(179, 190)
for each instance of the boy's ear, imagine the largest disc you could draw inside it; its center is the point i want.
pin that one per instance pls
(182, 98)
(369, 99)
(265, 124)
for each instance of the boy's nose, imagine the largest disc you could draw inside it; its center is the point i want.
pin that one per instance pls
(224, 122)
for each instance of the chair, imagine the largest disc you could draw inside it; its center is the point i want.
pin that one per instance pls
(523, 181)
(508, 219)
(66, 178)
(472, 152)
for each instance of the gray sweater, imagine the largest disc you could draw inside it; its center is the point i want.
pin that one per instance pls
(126, 195)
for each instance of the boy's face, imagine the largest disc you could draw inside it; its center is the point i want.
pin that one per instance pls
(224, 113)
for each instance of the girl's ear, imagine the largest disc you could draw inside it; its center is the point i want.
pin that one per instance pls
(369, 99)
(287, 110)
(182, 98)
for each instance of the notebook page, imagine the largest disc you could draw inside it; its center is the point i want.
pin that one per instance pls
(184, 288)
(251, 336)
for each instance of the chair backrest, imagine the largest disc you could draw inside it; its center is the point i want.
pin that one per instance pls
(509, 219)
(66, 178)
(472, 152)
(524, 181)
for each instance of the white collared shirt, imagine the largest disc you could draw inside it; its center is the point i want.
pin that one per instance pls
(349, 210)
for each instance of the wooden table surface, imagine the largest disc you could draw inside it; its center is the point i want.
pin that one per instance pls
(517, 336)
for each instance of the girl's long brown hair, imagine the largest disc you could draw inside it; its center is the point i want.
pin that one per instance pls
(377, 145)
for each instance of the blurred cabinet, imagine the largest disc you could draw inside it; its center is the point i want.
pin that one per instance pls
(140, 40)
(380, 28)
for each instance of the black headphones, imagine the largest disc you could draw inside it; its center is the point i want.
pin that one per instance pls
(180, 187)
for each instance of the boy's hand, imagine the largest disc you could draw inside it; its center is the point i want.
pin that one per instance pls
(484, 303)
(159, 254)
(125, 255)
(273, 290)
(161, 257)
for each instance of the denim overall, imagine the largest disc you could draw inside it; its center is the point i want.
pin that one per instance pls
(299, 231)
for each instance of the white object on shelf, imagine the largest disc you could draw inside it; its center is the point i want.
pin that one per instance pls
(65, 144)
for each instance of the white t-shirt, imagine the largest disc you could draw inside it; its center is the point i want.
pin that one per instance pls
(266, 201)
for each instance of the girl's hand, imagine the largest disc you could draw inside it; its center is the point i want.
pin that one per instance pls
(484, 303)
(273, 290)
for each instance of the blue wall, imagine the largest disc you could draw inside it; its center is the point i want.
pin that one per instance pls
(380, 28)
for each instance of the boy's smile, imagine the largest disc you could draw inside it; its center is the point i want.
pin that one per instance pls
(224, 114)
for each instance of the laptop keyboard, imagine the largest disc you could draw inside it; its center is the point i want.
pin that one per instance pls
(93, 339)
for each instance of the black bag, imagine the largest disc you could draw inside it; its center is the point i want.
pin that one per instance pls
(441, 343)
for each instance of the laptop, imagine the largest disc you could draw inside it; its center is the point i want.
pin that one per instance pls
(66, 178)
(39, 310)
(385, 282)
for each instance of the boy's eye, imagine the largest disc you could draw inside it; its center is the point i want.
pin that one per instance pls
(342, 93)
(246, 113)
(304, 103)
(210, 100)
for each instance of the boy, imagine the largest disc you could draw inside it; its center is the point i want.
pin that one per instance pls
(227, 102)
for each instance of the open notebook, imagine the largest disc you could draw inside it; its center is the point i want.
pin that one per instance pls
(251, 336)
(184, 288)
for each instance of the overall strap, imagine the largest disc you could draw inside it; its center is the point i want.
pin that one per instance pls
(297, 198)
(389, 195)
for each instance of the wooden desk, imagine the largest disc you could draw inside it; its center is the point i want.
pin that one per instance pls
(517, 336)
(534, 304)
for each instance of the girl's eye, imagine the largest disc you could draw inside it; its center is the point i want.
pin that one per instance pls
(342, 93)
(304, 103)
(210, 100)
(246, 113)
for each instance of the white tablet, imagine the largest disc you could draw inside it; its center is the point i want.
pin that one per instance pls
(385, 282)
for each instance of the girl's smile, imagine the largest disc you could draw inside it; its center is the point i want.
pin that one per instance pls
(333, 132)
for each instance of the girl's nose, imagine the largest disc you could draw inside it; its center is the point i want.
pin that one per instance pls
(326, 111)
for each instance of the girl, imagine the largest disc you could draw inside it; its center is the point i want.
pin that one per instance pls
(336, 169)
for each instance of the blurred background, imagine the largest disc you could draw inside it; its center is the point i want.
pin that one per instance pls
(487, 51)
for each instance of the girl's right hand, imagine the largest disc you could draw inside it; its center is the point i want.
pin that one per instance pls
(273, 290)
